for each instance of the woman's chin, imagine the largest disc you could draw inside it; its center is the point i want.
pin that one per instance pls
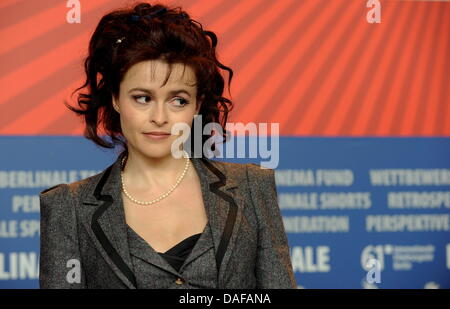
(157, 152)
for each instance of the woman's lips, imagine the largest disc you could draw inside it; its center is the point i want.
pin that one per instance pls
(157, 136)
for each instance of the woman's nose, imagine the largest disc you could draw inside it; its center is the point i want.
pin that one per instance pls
(158, 114)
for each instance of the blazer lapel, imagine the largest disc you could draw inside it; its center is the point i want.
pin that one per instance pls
(107, 227)
(106, 223)
(224, 210)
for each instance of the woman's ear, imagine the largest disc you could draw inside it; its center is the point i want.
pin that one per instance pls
(115, 105)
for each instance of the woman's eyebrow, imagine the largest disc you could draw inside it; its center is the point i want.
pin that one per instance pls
(172, 92)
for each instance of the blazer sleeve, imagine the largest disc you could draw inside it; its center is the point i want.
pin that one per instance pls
(273, 266)
(59, 260)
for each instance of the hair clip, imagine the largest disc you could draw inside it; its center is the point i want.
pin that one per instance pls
(118, 41)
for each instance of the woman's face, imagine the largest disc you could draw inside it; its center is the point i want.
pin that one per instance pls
(144, 106)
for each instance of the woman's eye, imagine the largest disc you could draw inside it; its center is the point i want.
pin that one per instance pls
(183, 102)
(136, 97)
(142, 99)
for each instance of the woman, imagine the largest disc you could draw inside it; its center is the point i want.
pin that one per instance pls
(151, 219)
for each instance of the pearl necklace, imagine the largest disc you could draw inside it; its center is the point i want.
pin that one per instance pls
(162, 196)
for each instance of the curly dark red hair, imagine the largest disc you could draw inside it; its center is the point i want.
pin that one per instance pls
(170, 35)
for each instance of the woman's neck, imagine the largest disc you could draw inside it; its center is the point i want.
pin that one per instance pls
(143, 172)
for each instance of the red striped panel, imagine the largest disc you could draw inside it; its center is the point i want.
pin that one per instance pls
(315, 66)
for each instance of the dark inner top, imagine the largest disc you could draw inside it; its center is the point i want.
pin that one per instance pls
(176, 255)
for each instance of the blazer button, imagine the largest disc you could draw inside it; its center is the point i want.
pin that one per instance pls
(179, 281)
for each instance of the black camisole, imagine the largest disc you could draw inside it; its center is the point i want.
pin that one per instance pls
(176, 255)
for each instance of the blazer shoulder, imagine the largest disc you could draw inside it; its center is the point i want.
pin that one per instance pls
(257, 171)
(54, 195)
(251, 172)
(55, 187)
(75, 188)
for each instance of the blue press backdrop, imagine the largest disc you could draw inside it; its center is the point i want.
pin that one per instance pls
(331, 236)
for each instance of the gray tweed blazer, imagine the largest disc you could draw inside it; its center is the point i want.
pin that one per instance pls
(84, 234)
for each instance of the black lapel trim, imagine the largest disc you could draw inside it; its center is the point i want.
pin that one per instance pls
(104, 241)
(232, 212)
